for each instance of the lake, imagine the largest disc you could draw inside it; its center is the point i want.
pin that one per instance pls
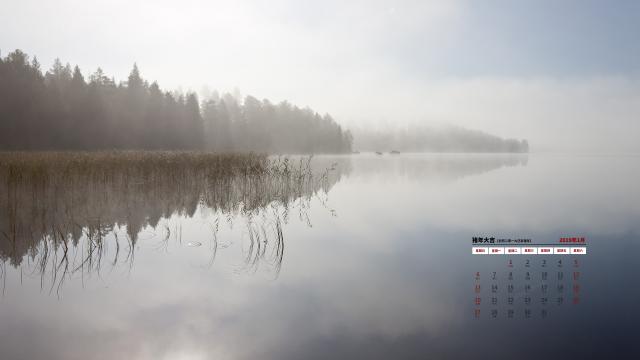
(371, 258)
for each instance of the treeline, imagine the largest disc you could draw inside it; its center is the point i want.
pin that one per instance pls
(422, 138)
(61, 109)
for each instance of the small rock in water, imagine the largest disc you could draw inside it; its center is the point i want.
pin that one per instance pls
(194, 243)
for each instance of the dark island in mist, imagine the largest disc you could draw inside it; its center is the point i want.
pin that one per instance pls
(61, 109)
(423, 138)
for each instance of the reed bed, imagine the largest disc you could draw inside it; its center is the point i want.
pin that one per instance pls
(37, 165)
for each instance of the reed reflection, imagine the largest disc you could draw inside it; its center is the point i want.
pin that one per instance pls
(77, 213)
(62, 212)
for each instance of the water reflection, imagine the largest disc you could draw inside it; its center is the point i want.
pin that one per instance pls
(434, 167)
(384, 270)
(81, 219)
(45, 215)
(63, 219)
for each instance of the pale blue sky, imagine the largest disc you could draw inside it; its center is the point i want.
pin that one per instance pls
(533, 38)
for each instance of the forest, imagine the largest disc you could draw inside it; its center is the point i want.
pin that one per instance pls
(62, 109)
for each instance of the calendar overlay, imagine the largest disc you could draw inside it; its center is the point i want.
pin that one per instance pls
(528, 279)
(493, 246)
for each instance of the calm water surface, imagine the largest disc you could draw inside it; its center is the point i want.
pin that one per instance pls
(373, 261)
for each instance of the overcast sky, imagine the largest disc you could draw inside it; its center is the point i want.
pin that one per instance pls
(564, 74)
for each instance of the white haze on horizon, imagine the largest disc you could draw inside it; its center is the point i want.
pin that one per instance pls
(565, 76)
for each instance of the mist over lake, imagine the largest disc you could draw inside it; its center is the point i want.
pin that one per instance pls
(380, 179)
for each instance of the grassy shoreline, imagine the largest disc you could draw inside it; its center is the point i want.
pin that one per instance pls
(106, 161)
